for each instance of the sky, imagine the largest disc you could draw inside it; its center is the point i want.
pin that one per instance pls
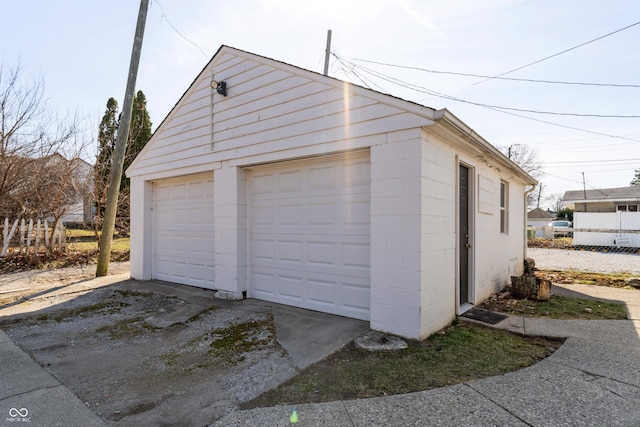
(82, 49)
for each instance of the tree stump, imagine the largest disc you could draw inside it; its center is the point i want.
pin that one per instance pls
(531, 287)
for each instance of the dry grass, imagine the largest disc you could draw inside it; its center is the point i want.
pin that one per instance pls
(460, 353)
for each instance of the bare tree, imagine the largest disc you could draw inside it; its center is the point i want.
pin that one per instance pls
(524, 156)
(40, 168)
(555, 201)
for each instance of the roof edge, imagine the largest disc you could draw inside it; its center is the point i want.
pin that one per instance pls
(453, 123)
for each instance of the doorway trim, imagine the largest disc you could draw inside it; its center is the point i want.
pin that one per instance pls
(465, 303)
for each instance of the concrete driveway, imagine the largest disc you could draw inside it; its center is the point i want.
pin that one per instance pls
(156, 353)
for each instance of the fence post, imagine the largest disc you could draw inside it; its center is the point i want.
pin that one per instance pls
(22, 237)
(37, 247)
(7, 237)
(29, 233)
(46, 234)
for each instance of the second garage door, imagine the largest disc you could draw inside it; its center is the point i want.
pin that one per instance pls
(309, 234)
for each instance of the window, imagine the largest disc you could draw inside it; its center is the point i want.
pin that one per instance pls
(504, 207)
(627, 208)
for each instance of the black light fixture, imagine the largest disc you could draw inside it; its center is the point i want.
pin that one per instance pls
(220, 87)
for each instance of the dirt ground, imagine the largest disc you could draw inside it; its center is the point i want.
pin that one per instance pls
(146, 353)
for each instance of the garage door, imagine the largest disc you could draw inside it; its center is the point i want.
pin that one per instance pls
(184, 248)
(309, 235)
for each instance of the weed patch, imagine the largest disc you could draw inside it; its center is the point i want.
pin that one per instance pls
(228, 346)
(105, 307)
(128, 328)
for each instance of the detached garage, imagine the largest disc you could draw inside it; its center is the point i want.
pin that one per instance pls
(301, 189)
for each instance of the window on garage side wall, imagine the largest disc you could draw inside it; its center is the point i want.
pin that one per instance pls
(504, 207)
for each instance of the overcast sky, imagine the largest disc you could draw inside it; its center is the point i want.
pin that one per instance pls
(82, 50)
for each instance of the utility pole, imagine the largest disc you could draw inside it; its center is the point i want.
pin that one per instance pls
(327, 54)
(117, 162)
(539, 194)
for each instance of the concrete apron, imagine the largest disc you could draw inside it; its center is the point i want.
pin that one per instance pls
(307, 337)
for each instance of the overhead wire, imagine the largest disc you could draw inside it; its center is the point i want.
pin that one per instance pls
(164, 15)
(453, 98)
(559, 53)
(504, 110)
(558, 82)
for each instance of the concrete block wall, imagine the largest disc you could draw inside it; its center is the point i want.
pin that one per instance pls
(230, 230)
(141, 229)
(438, 234)
(395, 242)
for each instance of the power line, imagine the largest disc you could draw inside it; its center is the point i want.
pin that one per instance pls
(163, 15)
(494, 108)
(498, 78)
(497, 107)
(559, 53)
(582, 162)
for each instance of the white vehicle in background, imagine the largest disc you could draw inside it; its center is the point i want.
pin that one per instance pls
(561, 228)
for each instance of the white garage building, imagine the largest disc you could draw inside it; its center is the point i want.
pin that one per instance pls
(302, 189)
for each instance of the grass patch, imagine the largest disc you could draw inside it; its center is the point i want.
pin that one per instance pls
(559, 307)
(615, 280)
(462, 352)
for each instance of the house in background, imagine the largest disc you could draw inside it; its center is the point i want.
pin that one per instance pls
(605, 217)
(273, 182)
(538, 219)
(83, 211)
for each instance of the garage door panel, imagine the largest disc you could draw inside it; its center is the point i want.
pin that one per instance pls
(263, 285)
(322, 253)
(291, 287)
(328, 253)
(322, 292)
(290, 251)
(183, 236)
(310, 235)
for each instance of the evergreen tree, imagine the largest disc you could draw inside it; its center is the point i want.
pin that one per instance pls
(139, 135)
(636, 178)
(140, 131)
(102, 168)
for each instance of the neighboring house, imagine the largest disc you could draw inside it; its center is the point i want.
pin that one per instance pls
(80, 209)
(84, 210)
(538, 219)
(305, 190)
(605, 217)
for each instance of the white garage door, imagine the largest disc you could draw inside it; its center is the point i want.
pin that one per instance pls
(184, 248)
(309, 235)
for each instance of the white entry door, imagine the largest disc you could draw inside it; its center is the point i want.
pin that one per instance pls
(309, 234)
(183, 230)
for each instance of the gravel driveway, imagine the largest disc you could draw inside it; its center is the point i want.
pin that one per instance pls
(597, 262)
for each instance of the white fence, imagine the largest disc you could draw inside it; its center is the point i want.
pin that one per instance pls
(616, 229)
(579, 260)
(24, 236)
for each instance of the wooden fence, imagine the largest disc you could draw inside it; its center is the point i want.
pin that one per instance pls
(24, 237)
